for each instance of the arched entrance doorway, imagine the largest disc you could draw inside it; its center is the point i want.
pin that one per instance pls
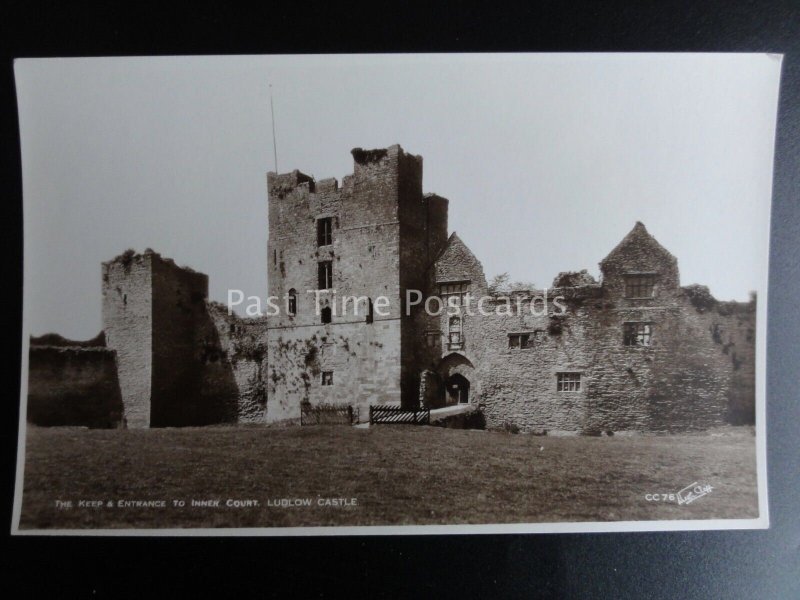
(452, 383)
(456, 389)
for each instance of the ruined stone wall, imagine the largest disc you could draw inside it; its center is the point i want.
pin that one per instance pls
(698, 371)
(732, 327)
(237, 347)
(517, 386)
(364, 362)
(686, 380)
(155, 317)
(181, 391)
(128, 325)
(73, 385)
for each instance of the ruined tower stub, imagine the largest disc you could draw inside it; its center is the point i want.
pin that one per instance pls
(151, 311)
(372, 237)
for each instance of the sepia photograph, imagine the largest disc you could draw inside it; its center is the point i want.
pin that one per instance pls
(394, 294)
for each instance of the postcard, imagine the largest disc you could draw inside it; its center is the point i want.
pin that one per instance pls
(394, 294)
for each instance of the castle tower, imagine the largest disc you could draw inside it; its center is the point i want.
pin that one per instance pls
(154, 314)
(360, 246)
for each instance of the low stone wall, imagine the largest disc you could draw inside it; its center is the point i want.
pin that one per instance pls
(72, 385)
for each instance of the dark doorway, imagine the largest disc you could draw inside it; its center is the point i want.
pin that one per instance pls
(456, 390)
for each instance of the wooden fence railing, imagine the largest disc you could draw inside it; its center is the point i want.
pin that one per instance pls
(328, 414)
(396, 415)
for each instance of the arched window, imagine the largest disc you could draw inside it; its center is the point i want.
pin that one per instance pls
(370, 311)
(292, 303)
(455, 340)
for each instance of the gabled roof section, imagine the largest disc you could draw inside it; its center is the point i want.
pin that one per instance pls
(457, 262)
(637, 240)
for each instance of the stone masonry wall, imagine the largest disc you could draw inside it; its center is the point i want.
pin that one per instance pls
(128, 325)
(181, 360)
(696, 373)
(155, 317)
(380, 237)
(364, 362)
(182, 391)
(73, 385)
(237, 346)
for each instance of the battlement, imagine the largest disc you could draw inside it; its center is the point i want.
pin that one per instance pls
(366, 164)
(280, 184)
(377, 155)
(131, 263)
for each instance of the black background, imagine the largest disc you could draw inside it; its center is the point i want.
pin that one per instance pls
(747, 564)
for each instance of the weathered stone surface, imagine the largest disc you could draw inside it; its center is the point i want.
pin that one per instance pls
(696, 373)
(241, 351)
(184, 361)
(155, 317)
(385, 236)
(73, 383)
(128, 324)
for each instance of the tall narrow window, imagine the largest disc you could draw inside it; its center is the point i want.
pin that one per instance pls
(455, 340)
(370, 312)
(568, 382)
(639, 286)
(324, 231)
(327, 378)
(274, 257)
(326, 314)
(292, 303)
(325, 275)
(637, 334)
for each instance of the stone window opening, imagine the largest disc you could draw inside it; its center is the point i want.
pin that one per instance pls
(326, 315)
(640, 286)
(327, 378)
(637, 334)
(521, 340)
(274, 257)
(232, 328)
(455, 290)
(292, 302)
(568, 382)
(455, 339)
(325, 275)
(324, 231)
(370, 312)
(433, 338)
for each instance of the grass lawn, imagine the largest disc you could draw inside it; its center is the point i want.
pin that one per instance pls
(397, 474)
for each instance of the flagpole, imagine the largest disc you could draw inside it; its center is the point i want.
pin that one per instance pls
(274, 143)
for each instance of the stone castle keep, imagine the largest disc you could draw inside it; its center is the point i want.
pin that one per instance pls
(633, 351)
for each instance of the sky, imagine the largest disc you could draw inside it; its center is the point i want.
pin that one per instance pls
(547, 160)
